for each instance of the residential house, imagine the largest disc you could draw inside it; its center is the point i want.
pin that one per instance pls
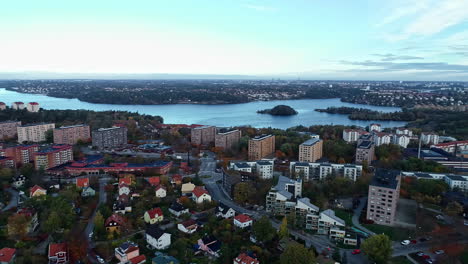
(154, 181)
(245, 259)
(189, 227)
(209, 245)
(18, 181)
(161, 258)
(160, 191)
(176, 179)
(129, 252)
(153, 216)
(37, 191)
(122, 205)
(200, 195)
(7, 255)
(82, 182)
(157, 238)
(88, 192)
(243, 221)
(177, 209)
(187, 188)
(350, 239)
(58, 253)
(115, 223)
(224, 211)
(125, 180)
(330, 224)
(124, 189)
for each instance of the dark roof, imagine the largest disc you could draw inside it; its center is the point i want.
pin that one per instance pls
(222, 208)
(154, 231)
(242, 165)
(263, 162)
(175, 206)
(455, 177)
(311, 142)
(385, 178)
(365, 144)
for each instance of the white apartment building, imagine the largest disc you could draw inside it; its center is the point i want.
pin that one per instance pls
(428, 138)
(309, 171)
(262, 168)
(34, 132)
(404, 131)
(382, 138)
(375, 127)
(401, 140)
(457, 181)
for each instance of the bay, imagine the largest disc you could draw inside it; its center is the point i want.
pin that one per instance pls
(218, 115)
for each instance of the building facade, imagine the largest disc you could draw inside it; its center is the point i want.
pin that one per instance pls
(33, 107)
(429, 138)
(9, 129)
(365, 150)
(261, 146)
(262, 168)
(34, 132)
(71, 134)
(384, 191)
(20, 154)
(203, 135)
(311, 150)
(53, 156)
(109, 137)
(227, 140)
(308, 171)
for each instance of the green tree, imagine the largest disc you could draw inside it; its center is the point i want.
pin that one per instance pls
(99, 229)
(263, 230)
(6, 174)
(27, 170)
(18, 226)
(243, 191)
(49, 136)
(336, 256)
(378, 248)
(52, 223)
(296, 253)
(283, 230)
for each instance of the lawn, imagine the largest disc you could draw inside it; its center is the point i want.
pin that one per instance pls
(346, 216)
(400, 260)
(395, 233)
(464, 257)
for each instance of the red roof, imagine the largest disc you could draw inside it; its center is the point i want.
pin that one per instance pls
(26, 211)
(160, 187)
(35, 188)
(33, 103)
(243, 218)
(127, 181)
(82, 182)
(244, 258)
(176, 178)
(7, 254)
(2, 103)
(56, 248)
(154, 180)
(155, 212)
(199, 191)
(115, 218)
(138, 259)
(452, 143)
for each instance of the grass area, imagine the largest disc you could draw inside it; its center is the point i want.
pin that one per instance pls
(394, 233)
(433, 206)
(464, 257)
(346, 216)
(400, 260)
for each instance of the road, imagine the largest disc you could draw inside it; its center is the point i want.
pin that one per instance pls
(357, 214)
(13, 199)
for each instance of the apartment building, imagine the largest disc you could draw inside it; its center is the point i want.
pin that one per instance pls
(2, 106)
(404, 131)
(262, 168)
(308, 171)
(330, 224)
(401, 140)
(307, 214)
(311, 150)
(33, 107)
(352, 135)
(109, 137)
(9, 129)
(261, 147)
(428, 138)
(365, 151)
(384, 191)
(34, 132)
(375, 127)
(457, 182)
(6, 162)
(17, 105)
(53, 156)
(71, 134)
(281, 199)
(227, 140)
(21, 154)
(382, 138)
(204, 135)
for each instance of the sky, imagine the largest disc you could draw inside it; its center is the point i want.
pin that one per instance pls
(309, 39)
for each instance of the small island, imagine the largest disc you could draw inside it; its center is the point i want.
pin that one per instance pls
(279, 110)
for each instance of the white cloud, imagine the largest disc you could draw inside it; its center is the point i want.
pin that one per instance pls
(404, 9)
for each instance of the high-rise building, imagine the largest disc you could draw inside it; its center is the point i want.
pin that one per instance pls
(34, 132)
(71, 134)
(9, 129)
(203, 135)
(311, 150)
(17, 106)
(227, 140)
(2, 106)
(429, 138)
(33, 107)
(261, 147)
(384, 191)
(365, 149)
(53, 156)
(109, 137)
(21, 154)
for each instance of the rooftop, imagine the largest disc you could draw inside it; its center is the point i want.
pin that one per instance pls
(310, 142)
(261, 137)
(37, 124)
(330, 213)
(365, 144)
(65, 127)
(456, 178)
(385, 178)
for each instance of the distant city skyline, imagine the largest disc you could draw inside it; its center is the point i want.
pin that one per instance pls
(236, 39)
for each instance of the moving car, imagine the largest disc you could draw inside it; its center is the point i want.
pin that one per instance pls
(405, 242)
(356, 251)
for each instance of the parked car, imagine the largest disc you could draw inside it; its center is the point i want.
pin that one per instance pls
(440, 251)
(420, 254)
(99, 259)
(429, 261)
(405, 242)
(414, 241)
(426, 257)
(356, 251)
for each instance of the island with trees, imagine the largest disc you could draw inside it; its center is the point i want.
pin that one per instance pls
(279, 110)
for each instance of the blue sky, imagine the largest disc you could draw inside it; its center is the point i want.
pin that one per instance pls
(316, 39)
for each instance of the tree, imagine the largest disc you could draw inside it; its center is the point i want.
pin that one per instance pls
(18, 226)
(378, 248)
(99, 229)
(263, 230)
(27, 170)
(283, 230)
(336, 256)
(296, 253)
(453, 208)
(243, 191)
(53, 222)
(49, 136)
(6, 174)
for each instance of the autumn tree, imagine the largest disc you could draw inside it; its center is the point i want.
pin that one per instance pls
(99, 229)
(296, 253)
(18, 226)
(263, 230)
(243, 191)
(283, 230)
(378, 248)
(453, 208)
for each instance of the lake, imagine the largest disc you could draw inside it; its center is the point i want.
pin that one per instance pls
(218, 115)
